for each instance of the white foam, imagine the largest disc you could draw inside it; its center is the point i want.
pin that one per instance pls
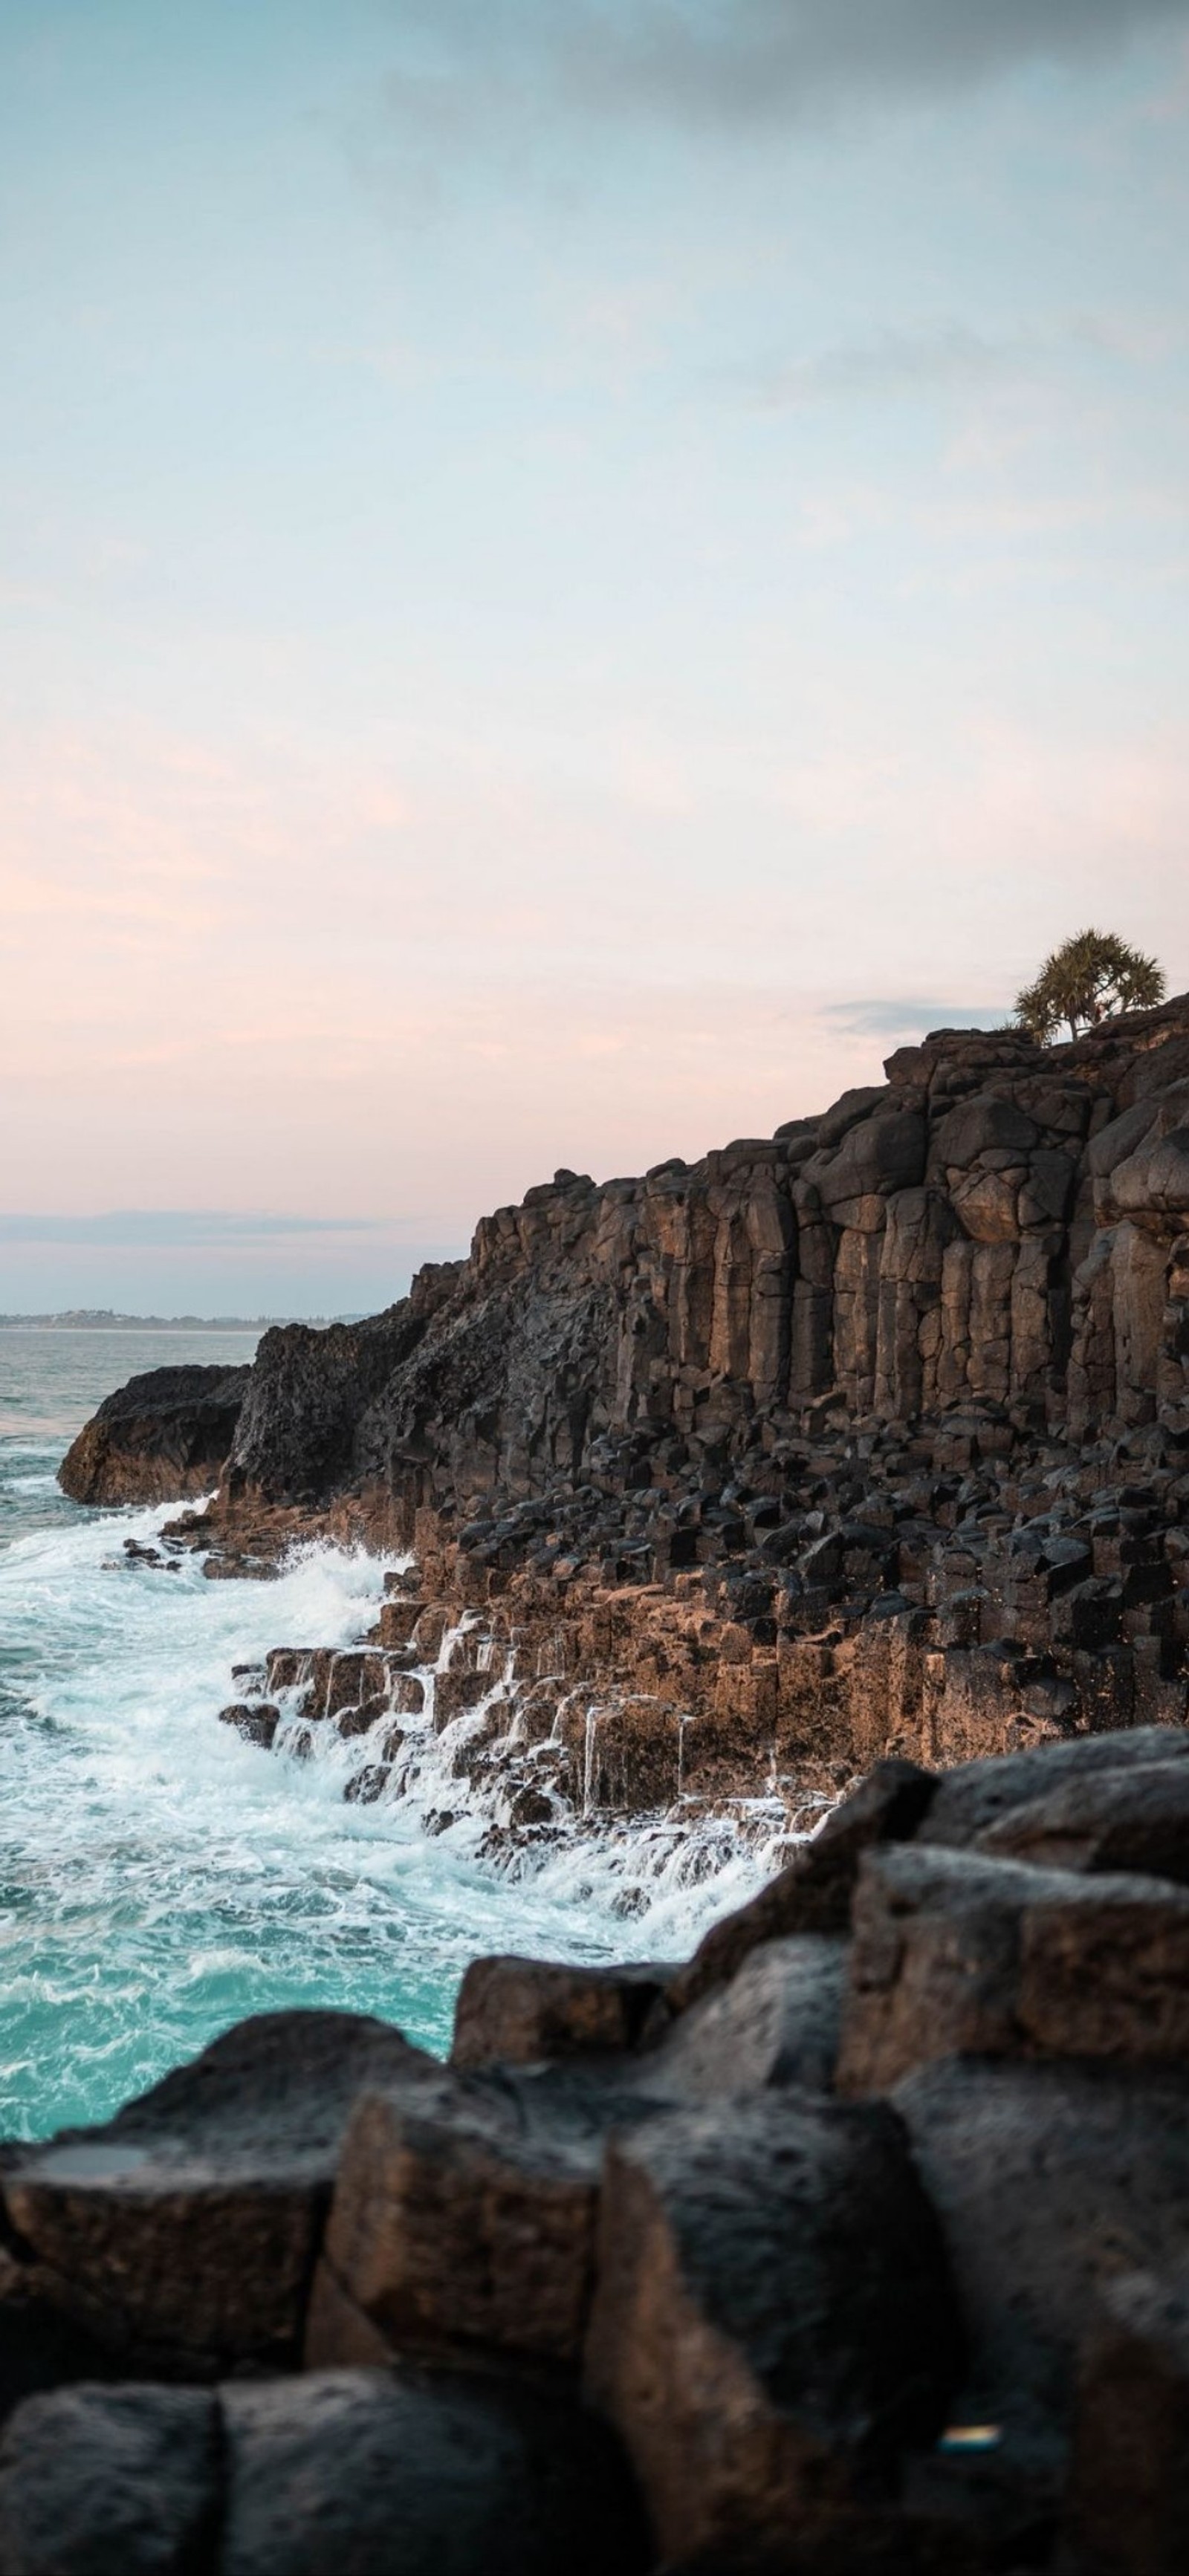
(165, 1877)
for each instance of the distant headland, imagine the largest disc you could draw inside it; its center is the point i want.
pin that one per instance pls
(104, 1319)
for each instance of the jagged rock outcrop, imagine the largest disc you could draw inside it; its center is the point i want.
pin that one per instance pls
(1000, 1224)
(858, 2251)
(163, 1436)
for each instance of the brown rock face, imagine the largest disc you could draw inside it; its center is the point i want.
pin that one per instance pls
(1000, 1224)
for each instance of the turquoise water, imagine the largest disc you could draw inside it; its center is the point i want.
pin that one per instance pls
(159, 1878)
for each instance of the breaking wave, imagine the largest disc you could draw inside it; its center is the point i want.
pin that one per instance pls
(162, 1876)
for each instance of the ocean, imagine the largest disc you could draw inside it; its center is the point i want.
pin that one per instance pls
(160, 1877)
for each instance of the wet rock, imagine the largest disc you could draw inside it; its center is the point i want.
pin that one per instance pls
(953, 1952)
(772, 2320)
(366, 2471)
(119, 2481)
(777, 2022)
(183, 2233)
(522, 2010)
(1128, 2508)
(814, 1893)
(256, 1720)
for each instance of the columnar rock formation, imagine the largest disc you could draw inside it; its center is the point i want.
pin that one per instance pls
(998, 1225)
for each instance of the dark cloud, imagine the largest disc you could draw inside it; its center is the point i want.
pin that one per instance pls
(907, 1019)
(163, 1228)
(749, 60)
(897, 362)
(744, 62)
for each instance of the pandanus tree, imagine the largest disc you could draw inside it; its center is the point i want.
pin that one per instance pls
(1087, 980)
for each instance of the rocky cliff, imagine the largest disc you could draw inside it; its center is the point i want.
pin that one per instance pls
(998, 1225)
(869, 1437)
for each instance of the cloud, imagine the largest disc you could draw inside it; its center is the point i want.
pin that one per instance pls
(941, 355)
(897, 1018)
(160, 1229)
(741, 62)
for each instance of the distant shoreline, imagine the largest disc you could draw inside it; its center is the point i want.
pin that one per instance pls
(100, 1322)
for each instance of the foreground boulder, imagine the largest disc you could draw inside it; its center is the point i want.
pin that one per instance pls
(870, 2258)
(772, 2318)
(777, 2022)
(974, 1802)
(161, 1437)
(524, 2010)
(181, 2236)
(1050, 2182)
(345, 2473)
(470, 2227)
(1128, 2510)
(110, 2482)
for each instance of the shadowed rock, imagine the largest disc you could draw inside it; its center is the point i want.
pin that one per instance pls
(110, 2482)
(772, 2317)
(1050, 2182)
(1128, 2509)
(162, 1436)
(972, 1799)
(777, 2022)
(1132, 1818)
(359, 2472)
(471, 2227)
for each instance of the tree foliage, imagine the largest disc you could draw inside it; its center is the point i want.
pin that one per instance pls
(1088, 979)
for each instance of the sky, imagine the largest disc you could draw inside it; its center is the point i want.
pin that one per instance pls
(571, 573)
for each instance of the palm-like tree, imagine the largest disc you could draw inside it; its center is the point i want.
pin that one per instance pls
(1088, 979)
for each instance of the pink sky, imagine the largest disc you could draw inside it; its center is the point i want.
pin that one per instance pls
(559, 630)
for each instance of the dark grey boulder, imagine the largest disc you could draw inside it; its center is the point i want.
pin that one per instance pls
(956, 1953)
(772, 2318)
(1128, 2505)
(118, 2481)
(1050, 2183)
(469, 2226)
(1133, 1818)
(973, 1797)
(361, 2473)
